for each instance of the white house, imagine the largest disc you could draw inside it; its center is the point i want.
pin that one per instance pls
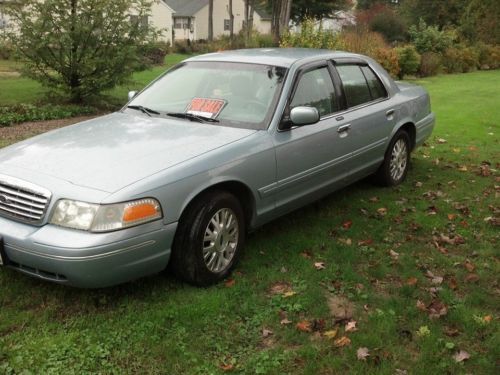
(191, 18)
(161, 18)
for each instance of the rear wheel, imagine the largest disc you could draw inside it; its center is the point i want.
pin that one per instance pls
(209, 239)
(394, 169)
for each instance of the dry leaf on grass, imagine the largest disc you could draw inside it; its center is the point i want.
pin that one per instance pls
(266, 332)
(351, 326)
(471, 278)
(394, 255)
(342, 341)
(347, 224)
(331, 334)
(437, 309)
(469, 266)
(362, 353)
(412, 281)
(340, 307)
(226, 367)
(285, 321)
(461, 356)
(230, 283)
(304, 326)
(382, 211)
(319, 266)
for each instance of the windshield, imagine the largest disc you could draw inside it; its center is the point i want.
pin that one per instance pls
(234, 94)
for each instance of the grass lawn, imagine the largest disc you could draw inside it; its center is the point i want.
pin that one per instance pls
(15, 89)
(415, 267)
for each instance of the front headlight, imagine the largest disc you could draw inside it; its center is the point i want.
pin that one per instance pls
(105, 218)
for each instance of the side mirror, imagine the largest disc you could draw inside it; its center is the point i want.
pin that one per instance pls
(301, 116)
(131, 95)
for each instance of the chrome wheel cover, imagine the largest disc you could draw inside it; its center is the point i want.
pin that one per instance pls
(399, 160)
(220, 240)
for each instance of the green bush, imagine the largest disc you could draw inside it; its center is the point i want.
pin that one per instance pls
(431, 63)
(154, 53)
(408, 59)
(390, 25)
(460, 59)
(6, 51)
(388, 58)
(310, 37)
(488, 56)
(430, 38)
(23, 113)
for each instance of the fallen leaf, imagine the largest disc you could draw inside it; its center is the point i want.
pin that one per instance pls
(280, 288)
(230, 283)
(437, 309)
(421, 306)
(266, 332)
(319, 266)
(374, 199)
(226, 366)
(304, 326)
(345, 241)
(451, 332)
(362, 353)
(288, 294)
(347, 224)
(366, 242)
(487, 319)
(452, 283)
(342, 341)
(351, 326)
(340, 307)
(418, 184)
(452, 217)
(382, 211)
(461, 356)
(285, 321)
(472, 278)
(412, 281)
(469, 266)
(330, 334)
(306, 254)
(394, 255)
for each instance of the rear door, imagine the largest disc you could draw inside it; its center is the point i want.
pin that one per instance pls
(369, 112)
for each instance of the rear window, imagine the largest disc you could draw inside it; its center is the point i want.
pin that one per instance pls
(361, 85)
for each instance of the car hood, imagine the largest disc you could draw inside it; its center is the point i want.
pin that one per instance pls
(114, 151)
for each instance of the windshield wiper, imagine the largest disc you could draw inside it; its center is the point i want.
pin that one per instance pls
(145, 110)
(192, 117)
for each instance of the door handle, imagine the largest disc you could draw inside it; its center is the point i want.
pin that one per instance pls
(344, 128)
(390, 113)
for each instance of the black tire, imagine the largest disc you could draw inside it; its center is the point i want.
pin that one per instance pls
(187, 261)
(383, 175)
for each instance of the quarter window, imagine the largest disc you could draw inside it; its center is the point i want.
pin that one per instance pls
(377, 89)
(355, 86)
(315, 89)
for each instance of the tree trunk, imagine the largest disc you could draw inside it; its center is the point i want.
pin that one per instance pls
(211, 20)
(250, 18)
(231, 20)
(74, 78)
(281, 10)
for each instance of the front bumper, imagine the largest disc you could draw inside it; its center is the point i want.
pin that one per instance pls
(83, 259)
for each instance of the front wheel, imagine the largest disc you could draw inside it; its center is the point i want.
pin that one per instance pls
(394, 169)
(209, 240)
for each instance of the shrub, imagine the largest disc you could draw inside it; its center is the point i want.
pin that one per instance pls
(488, 56)
(430, 64)
(408, 59)
(460, 59)
(309, 37)
(388, 58)
(23, 112)
(390, 25)
(361, 40)
(430, 38)
(6, 50)
(154, 53)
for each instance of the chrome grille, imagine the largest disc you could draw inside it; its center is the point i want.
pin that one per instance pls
(22, 200)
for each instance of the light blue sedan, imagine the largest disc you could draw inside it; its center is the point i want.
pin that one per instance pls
(217, 146)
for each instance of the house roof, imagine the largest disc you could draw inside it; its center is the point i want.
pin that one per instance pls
(186, 8)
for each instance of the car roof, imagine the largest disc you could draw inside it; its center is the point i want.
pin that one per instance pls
(284, 57)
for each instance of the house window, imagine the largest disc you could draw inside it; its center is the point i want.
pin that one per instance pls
(182, 23)
(143, 21)
(227, 25)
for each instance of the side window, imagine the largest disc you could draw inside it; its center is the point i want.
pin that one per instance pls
(315, 89)
(355, 86)
(377, 89)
